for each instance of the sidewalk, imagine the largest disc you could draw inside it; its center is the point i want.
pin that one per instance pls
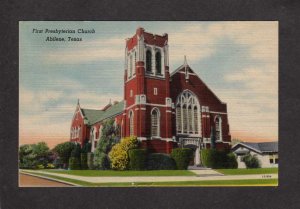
(199, 177)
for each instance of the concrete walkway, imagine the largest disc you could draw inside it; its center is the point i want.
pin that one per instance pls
(107, 179)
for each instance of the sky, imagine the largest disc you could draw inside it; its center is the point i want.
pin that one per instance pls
(237, 60)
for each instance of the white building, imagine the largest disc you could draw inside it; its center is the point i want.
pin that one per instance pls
(266, 152)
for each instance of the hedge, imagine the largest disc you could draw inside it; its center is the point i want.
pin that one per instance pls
(182, 157)
(213, 158)
(83, 158)
(137, 159)
(90, 160)
(159, 161)
(74, 163)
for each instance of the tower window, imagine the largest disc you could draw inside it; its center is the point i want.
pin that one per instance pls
(155, 91)
(131, 123)
(155, 122)
(131, 93)
(148, 61)
(158, 63)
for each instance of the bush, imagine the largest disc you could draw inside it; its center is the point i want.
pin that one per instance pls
(50, 166)
(74, 163)
(182, 157)
(90, 160)
(40, 166)
(101, 162)
(159, 161)
(231, 161)
(251, 161)
(119, 153)
(137, 159)
(213, 158)
(76, 151)
(83, 162)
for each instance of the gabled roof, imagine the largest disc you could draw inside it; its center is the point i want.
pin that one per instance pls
(260, 147)
(93, 116)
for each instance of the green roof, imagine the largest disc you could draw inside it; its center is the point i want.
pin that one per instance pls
(94, 116)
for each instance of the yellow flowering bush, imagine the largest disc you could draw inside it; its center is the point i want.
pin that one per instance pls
(119, 153)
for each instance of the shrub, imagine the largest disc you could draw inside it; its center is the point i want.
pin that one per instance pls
(137, 159)
(101, 161)
(213, 158)
(74, 163)
(83, 162)
(159, 161)
(231, 161)
(119, 153)
(86, 147)
(251, 161)
(76, 151)
(40, 166)
(90, 160)
(50, 166)
(182, 157)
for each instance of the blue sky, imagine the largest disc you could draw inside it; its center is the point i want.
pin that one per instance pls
(237, 60)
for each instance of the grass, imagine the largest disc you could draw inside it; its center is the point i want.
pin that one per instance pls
(244, 171)
(122, 173)
(248, 182)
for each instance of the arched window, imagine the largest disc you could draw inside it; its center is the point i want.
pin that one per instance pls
(158, 63)
(148, 61)
(218, 124)
(155, 118)
(187, 113)
(131, 123)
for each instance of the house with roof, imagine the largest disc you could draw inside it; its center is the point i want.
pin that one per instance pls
(266, 152)
(163, 109)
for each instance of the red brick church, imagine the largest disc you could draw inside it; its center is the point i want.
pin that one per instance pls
(164, 110)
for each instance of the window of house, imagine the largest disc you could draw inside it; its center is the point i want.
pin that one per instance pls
(276, 160)
(148, 61)
(158, 63)
(218, 125)
(155, 122)
(155, 91)
(187, 116)
(131, 93)
(131, 123)
(271, 160)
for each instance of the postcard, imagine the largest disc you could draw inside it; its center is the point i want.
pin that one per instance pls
(148, 103)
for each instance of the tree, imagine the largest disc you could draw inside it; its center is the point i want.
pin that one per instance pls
(32, 155)
(64, 150)
(108, 138)
(235, 141)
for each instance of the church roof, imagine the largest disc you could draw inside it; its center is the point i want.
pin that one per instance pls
(93, 116)
(260, 147)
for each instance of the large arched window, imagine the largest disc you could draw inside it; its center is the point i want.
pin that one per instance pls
(155, 119)
(148, 61)
(187, 113)
(218, 124)
(158, 63)
(131, 123)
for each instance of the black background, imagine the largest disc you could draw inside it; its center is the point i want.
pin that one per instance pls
(287, 195)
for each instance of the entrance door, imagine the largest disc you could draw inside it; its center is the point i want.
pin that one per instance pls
(193, 148)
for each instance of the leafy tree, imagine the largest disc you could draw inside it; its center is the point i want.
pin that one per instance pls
(109, 137)
(32, 155)
(64, 151)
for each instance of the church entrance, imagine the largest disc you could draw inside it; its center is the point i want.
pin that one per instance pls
(194, 145)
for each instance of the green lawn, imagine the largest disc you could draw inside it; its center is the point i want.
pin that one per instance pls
(249, 182)
(244, 171)
(123, 173)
